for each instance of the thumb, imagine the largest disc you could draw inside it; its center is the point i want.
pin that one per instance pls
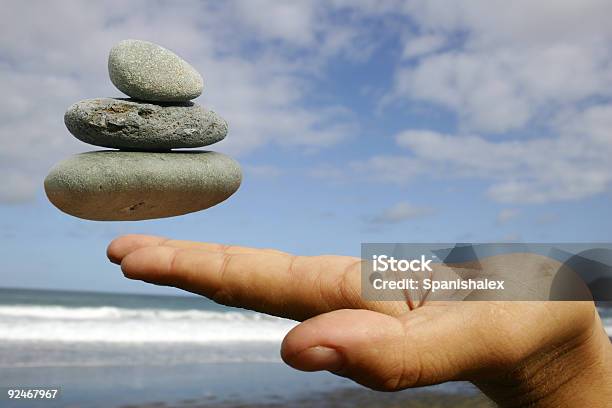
(376, 350)
(366, 346)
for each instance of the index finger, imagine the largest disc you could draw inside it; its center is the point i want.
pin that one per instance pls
(126, 244)
(276, 283)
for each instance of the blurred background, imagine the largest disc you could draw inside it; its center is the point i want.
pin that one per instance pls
(354, 121)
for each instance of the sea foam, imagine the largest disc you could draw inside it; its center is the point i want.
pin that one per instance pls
(124, 325)
(109, 324)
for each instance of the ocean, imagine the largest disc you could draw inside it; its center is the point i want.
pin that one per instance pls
(107, 350)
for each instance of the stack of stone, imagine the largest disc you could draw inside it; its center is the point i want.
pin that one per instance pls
(144, 178)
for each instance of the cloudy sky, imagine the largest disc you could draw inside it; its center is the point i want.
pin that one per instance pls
(355, 121)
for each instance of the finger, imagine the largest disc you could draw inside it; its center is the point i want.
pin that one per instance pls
(365, 346)
(384, 352)
(122, 246)
(276, 283)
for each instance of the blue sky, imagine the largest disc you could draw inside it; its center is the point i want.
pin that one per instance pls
(355, 121)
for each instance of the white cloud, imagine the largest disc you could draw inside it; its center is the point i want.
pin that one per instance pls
(520, 21)
(530, 85)
(419, 46)
(502, 68)
(513, 63)
(400, 212)
(500, 90)
(251, 79)
(289, 21)
(569, 167)
(593, 123)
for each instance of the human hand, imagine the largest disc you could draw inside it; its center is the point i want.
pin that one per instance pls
(518, 353)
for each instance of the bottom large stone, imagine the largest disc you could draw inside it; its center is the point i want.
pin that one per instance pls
(130, 186)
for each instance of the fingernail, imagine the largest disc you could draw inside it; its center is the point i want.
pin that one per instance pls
(318, 358)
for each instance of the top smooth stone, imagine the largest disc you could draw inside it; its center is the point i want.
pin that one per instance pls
(149, 72)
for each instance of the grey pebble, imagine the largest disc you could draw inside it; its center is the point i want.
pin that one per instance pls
(149, 72)
(130, 186)
(127, 124)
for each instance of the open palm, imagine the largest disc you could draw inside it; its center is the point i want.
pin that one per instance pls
(508, 349)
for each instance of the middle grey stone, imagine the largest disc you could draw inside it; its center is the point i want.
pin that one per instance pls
(131, 125)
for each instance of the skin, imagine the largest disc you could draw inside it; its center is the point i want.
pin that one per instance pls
(537, 354)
